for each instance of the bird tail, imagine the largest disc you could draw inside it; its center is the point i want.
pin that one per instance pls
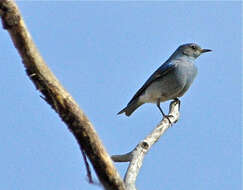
(130, 108)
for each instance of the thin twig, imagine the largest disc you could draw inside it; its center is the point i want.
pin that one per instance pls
(87, 167)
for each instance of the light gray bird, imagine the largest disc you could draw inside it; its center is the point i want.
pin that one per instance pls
(170, 81)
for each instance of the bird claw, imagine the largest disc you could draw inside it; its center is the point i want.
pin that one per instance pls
(168, 118)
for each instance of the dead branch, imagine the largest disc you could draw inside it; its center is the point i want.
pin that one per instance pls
(136, 156)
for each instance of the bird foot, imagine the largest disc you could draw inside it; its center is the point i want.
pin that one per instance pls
(168, 117)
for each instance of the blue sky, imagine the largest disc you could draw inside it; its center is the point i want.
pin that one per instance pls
(102, 52)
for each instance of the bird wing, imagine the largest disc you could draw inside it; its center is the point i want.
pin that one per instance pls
(159, 73)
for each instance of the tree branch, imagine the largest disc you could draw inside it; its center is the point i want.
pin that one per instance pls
(136, 156)
(59, 99)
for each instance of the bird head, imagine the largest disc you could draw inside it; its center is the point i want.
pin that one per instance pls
(192, 50)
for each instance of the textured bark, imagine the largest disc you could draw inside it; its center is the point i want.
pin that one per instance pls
(59, 99)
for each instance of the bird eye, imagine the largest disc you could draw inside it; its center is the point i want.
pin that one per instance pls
(193, 47)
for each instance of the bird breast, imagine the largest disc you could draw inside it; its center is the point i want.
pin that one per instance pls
(174, 84)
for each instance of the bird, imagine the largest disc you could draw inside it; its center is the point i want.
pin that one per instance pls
(170, 81)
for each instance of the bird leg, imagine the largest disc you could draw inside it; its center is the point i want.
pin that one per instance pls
(158, 105)
(179, 102)
(166, 116)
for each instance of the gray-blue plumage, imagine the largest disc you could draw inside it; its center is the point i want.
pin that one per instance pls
(170, 81)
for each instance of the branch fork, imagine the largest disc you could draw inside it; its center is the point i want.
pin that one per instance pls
(136, 156)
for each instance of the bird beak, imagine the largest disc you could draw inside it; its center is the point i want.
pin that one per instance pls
(205, 50)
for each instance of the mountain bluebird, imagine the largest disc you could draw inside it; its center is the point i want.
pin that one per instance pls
(170, 81)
